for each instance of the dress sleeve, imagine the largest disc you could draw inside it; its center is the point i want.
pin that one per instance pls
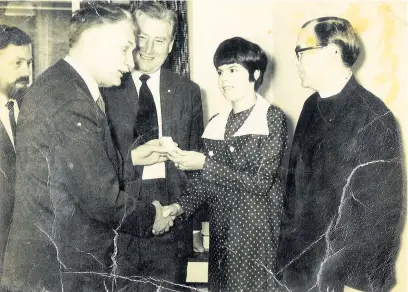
(268, 157)
(196, 193)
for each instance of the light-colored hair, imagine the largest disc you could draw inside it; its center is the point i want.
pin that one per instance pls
(336, 30)
(158, 11)
(94, 15)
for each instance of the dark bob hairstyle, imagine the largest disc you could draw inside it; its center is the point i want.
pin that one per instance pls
(245, 53)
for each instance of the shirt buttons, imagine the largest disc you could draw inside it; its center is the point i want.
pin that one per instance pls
(211, 153)
(232, 149)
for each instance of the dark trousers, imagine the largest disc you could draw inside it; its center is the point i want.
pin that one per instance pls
(156, 261)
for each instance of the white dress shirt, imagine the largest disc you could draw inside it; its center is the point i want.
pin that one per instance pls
(154, 85)
(4, 115)
(157, 170)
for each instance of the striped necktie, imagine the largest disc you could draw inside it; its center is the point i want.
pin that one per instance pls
(101, 104)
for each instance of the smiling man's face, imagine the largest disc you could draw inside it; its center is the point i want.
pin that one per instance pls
(154, 43)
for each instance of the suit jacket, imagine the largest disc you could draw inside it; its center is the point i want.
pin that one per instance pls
(182, 119)
(7, 181)
(69, 204)
(344, 194)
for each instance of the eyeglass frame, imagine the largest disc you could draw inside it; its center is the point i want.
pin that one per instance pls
(300, 50)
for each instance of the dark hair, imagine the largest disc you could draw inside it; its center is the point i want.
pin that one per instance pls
(158, 11)
(243, 52)
(10, 35)
(335, 30)
(93, 15)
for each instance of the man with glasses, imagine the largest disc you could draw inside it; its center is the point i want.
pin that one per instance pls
(344, 186)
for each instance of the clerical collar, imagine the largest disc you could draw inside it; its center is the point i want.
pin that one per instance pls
(338, 89)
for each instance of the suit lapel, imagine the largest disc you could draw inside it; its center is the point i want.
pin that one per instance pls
(167, 91)
(130, 93)
(6, 146)
(72, 74)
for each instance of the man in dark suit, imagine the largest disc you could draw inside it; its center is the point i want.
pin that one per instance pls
(154, 102)
(70, 204)
(15, 68)
(345, 182)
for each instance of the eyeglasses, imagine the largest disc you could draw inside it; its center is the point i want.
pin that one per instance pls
(300, 50)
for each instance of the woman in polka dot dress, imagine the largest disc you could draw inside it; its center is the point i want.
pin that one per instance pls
(239, 175)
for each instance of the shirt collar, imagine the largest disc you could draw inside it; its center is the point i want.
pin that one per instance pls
(86, 76)
(4, 100)
(154, 77)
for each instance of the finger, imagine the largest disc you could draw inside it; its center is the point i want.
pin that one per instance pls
(167, 228)
(153, 142)
(171, 223)
(162, 159)
(182, 167)
(166, 212)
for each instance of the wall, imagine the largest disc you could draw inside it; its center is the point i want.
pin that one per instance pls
(382, 67)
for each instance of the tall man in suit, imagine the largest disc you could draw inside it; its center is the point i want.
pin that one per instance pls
(15, 66)
(345, 182)
(153, 102)
(70, 204)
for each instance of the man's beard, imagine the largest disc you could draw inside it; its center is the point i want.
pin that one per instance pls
(17, 92)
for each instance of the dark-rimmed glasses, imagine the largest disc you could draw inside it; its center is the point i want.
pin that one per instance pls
(300, 50)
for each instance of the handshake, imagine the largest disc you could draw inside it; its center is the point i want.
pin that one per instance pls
(165, 215)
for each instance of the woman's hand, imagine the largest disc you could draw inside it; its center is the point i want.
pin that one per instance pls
(187, 160)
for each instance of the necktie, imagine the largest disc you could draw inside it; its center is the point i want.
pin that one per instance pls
(101, 104)
(10, 106)
(146, 119)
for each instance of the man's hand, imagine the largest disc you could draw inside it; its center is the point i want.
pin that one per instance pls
(161, 223)
(187, 160)
(150, 153)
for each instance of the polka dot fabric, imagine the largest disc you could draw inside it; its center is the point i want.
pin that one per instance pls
(242, 185)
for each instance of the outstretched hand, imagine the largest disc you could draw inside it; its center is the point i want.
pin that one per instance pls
(162, 223)
(151, 152)
(172, 211)
(187, 160)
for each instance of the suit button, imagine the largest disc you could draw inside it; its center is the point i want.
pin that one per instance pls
(211, 153)
(232, 149)
(179, 255)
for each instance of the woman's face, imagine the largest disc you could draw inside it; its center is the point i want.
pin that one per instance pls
(233, 80)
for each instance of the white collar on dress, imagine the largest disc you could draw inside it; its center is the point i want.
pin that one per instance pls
(255, 124)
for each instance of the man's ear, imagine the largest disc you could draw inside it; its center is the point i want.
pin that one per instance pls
(257, 73)
(171, 46)
(335, 50)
